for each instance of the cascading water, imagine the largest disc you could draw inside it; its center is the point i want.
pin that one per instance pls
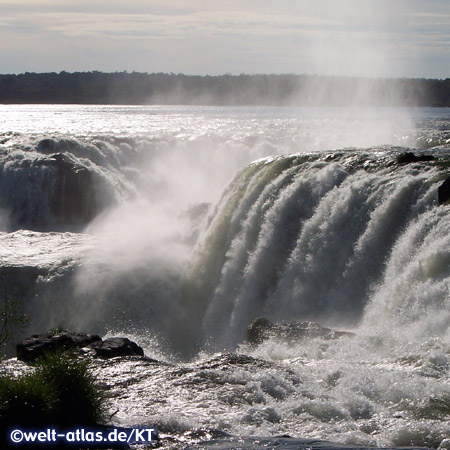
(308, 238)
(160, 245)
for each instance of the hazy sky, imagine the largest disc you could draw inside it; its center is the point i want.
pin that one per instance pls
(391, 38)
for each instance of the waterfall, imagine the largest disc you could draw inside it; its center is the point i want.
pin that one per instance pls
(332, 238)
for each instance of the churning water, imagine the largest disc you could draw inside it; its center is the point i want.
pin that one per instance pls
(181, 225)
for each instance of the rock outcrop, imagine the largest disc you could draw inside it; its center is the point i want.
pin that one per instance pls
(73, 200)
(19, 281)
(36, 346)
(48, 191)
(262, 329)
(444, 192)
(117, 346)
(409, 157)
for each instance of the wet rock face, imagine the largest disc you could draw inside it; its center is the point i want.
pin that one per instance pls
(259, 330)
(262, 329)
(71, 194)
(36, 346)
(46, 191)
(118, 346)
(444, 192)
(409, 157)
(18, 282)
(73, 200)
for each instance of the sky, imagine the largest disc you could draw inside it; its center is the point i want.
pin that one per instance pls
(368, 38)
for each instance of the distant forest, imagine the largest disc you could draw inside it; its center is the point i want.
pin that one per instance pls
(235, 90)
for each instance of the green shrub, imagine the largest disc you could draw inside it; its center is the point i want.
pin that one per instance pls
(12, 322)
(78, 398)
(60, 391)
(27, 400)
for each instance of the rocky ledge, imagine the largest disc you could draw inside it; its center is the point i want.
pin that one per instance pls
(262, 329)
(36, 346)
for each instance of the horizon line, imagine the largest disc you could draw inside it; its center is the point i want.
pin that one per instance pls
(226, 74)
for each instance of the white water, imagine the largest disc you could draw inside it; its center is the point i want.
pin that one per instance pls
(314, 243)
(346, 239)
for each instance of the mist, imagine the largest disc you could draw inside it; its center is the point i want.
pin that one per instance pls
(177, 209)
(134, 278)
(172, 164)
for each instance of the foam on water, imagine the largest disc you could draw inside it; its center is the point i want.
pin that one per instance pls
(185, 259)
(296, 239)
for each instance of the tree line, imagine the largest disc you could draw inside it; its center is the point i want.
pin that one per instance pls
(229, 90)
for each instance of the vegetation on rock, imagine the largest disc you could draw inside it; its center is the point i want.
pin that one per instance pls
(59, 391)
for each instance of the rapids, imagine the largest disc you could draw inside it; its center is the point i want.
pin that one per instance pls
(179, 226)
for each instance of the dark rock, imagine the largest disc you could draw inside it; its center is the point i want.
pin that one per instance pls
(37, 345)
(47, 145)
(20, 281)
(51, 190)
(444, 192)
(50, 145)
(261, 329)
(408, 157)
(117, 346)
(73, 201)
